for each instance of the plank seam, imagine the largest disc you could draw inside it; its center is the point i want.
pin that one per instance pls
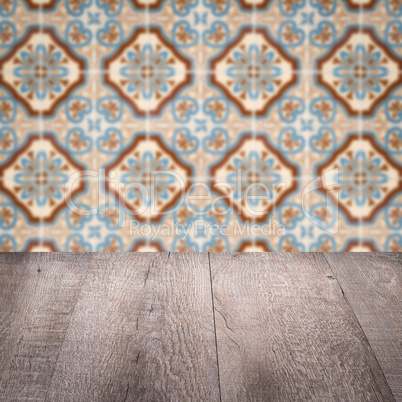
(216, 338)
(361, 328)
(65, 332)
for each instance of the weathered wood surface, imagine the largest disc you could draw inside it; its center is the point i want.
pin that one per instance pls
(373, 286)
(38, 293)
(285, 332)
(142, 331)
(147, 327)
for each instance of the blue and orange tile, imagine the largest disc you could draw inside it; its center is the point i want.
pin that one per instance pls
(281, 120)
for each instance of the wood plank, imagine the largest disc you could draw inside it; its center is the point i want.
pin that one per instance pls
(38, 292)
(142, 331)
(372, 283)
(285, 332)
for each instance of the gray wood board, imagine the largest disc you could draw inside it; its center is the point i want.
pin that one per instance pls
(38, 293)
(142, 331)
(285, 332)
(373, 286)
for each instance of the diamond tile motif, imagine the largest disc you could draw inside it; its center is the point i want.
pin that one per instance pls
(201, 125)
(360, 71)
(254, 166)
(253, 71)
(36, 176)
(365, 176)
(41, 71)
(147, 71)
(153, 175)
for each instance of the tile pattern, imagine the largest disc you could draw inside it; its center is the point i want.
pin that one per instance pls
(223, 94)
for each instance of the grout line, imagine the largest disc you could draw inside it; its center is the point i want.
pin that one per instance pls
(94, 93)
(307, 94)
(196, 71)
(41, 132)
(360, 129)
(216, 337)
(203, 179)
(202, 162)
(254, 116)
(148, 117)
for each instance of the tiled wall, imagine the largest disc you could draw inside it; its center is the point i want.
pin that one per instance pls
(274, 125)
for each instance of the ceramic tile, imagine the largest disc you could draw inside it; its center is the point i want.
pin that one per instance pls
(16, 229)
(200, 125)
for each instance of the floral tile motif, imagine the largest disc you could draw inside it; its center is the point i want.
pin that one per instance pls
(136, 164)
(34, 178)
(147, 71)
(360, 71)
(200, 125)
(252, 161)
(41, 72)
(367, 177)
(253, 72)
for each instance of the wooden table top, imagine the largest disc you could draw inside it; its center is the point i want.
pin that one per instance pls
(200, 327)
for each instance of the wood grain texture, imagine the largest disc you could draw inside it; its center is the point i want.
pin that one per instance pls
(372, 283)
(142, 331)
(286, 333)
(140, 327)
(38, 293)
